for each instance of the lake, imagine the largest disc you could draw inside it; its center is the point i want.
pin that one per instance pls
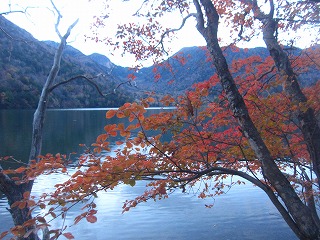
(244, 212)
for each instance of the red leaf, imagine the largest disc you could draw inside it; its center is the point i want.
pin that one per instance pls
(26, 195)
(111, 113)
(2, 235)
(91, 218)
(20, 170)
(22, 205)
(68, 235)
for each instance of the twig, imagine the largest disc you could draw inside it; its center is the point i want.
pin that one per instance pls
(90, 80)
(174, 30)
(58, 19)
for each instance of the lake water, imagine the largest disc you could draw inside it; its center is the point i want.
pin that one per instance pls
(243, 213)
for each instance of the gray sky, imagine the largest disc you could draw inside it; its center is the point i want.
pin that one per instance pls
(40, 20)
(40, 23)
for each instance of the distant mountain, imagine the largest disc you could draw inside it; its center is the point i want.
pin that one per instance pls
(102, 60)
(193, 64)
(25, 63)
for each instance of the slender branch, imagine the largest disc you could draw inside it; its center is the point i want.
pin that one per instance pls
(90, 80)
(282, 210)
(271, 12)
(299, 21)
(58, 19)
(137, 12)
(24, 10)
(174, 30)
(14, 11)
(311, 59)
(75, 78)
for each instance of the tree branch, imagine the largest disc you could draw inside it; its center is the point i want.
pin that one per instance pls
(58, 19)
(79, 77)
(89, 79)
(174, 30)
(24, 11)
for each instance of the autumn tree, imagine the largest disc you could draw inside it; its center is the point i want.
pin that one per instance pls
(263, 126)
(251, 119)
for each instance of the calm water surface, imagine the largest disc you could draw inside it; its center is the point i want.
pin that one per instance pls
(243, 213)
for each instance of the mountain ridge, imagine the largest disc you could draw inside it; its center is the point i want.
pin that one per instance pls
(25, 63)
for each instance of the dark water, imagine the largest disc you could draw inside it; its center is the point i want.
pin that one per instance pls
(243, 213)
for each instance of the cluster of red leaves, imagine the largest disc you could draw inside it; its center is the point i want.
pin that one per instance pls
(46, 165)
(205, 141)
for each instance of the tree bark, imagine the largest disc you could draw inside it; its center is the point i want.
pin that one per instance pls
(13, 191)
(307, 121)
(300, 213)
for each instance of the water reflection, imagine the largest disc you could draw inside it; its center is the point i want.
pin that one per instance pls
(243, 213)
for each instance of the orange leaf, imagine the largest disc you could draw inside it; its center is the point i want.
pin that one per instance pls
(3, 234)
(111, 113)
(22, 205)
(150, 99)
(126, 105)
(129, 145)
(26, 195)
(15, 204)
(120, 115)
(68, 235)
(41, 219)
(20, 169)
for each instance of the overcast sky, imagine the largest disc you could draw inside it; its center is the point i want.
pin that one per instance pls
(40, 23)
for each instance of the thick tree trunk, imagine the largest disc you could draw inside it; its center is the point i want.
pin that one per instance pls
(307, 120)
(14, 193)
(300, 213)
(20, 216)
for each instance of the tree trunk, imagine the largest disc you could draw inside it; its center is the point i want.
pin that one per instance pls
(307, 120)
(300, 213)
(20, 216)
(14, 192)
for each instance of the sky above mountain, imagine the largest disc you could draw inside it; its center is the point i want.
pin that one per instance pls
(40, 19)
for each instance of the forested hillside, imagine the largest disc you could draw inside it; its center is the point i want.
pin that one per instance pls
(25, 63)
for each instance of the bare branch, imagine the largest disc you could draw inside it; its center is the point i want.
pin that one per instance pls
(58, 19)
(90, 80)
(24, 10)
(14, 11)
(137, 12)
(174, 30)
(58, 23)
(70, 28)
